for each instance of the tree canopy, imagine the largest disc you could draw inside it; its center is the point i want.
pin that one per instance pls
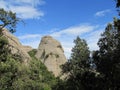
(8, 19)
(107, 58)
(77, 65)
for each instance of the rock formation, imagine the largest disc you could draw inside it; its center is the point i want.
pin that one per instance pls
(16, 47)
(51, 53)
(27, 48)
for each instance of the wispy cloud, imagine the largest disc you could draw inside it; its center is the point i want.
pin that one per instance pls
(93, 37)
(25, 9)
(29, 36)
(102, 13)
(34, 43)
(30, 2)
(66, 36)
(91, 33)
(32, 40)
(74, 30)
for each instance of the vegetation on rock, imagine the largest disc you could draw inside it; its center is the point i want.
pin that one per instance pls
(101, 71)
(14, 75)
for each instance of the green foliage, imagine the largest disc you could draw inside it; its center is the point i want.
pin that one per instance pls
(8, 19)
(59, 85)
(3, 41)
(8, 66)
(117, 3)
(56, 55)
(107, 58)
(11, 69)
(79, 58)
(8, 73)
(3, 49)
(14, 74)
(32, 53)
(40, 74)
(77, 66)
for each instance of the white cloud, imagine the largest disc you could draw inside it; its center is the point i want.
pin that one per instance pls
(91, 33)
(3, 4)
(75, 30)
(67, 46)
(92, 38)
(26, 12)
(32, 40)
(25, 9)
(29, 36)
(30, 2)
(102, 13)
(33, 43)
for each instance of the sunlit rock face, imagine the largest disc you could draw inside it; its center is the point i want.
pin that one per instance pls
(51, 53)
(17, 48)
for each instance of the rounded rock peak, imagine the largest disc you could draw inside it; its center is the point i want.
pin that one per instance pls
(47, 37)
(51, 53)
(49, 40)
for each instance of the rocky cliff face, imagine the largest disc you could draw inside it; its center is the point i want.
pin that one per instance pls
(16, 47)
(27, 48)
(51, 53)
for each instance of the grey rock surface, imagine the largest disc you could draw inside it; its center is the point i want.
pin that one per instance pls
(51, 53)
(16, 47)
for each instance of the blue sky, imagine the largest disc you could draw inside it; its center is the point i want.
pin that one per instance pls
(62, 19)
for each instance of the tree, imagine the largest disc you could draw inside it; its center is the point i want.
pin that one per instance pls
(8, 64)
(117, 3)
(79, 56)
(77, 66)
(39, 74)
(118, 6)
(8, 19)
(107, 58)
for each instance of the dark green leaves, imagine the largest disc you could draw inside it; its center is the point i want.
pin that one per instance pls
(9, 20)
(107, 58)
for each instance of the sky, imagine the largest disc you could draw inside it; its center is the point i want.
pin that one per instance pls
(64, 20)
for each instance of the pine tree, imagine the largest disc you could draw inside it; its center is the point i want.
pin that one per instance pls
(107, 58)
(77, 65)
